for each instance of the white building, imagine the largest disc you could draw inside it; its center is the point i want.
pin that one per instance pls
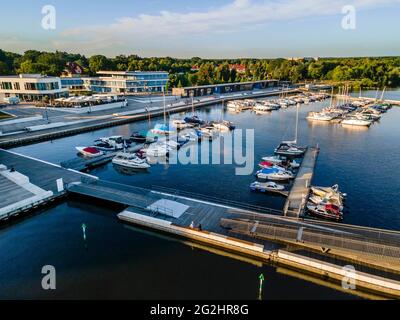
(31, 87)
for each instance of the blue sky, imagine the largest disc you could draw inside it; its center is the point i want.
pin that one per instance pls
(214, 29)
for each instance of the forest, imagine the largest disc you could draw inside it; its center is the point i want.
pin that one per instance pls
(367, 72)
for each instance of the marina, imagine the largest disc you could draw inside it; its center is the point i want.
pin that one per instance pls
(242, 227)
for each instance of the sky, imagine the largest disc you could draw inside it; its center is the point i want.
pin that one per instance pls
(206, 28)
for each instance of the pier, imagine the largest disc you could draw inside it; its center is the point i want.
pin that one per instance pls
(255, 232)
(298, 195)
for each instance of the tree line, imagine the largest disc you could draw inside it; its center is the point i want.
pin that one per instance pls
(368, 72)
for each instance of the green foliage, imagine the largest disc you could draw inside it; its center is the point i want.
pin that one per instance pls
(365, 72)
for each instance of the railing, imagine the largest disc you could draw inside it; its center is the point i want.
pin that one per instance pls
(202, 197)
(356, 243)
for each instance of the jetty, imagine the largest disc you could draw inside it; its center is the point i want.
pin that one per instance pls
(257, 233)
(297, 199)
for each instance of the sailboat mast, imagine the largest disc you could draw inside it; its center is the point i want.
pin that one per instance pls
(383, 92)
(297, 123)
(165, 116)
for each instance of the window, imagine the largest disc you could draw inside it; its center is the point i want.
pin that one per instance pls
(6, 85)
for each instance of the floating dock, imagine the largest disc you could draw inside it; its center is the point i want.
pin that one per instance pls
(298, 195)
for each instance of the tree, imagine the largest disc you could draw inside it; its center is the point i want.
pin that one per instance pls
(99, 62)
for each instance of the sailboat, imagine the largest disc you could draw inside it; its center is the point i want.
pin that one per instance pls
(290, 148)
(193, 119)
(162, 128)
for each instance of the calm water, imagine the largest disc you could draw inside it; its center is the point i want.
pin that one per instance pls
(122, 262)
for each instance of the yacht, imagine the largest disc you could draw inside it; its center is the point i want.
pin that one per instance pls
(193, 120)
(278, 160)
(354, 121)
(103, 146)
(262, 107)
(162, 129)
(320, 116)
(234, 106)
(157, 150)
(90, 152)
(130, 160)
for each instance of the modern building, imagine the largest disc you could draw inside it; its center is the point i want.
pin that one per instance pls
(76, 84)
(31, 87)
(224, 88)
(127, 81)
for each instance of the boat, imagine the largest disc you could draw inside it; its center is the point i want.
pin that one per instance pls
(138, 137)
(103, 146)
(324, 191)
(278, 160)
(162, 129)
(320, 116)
(354, 121)
(289, 149)
(130, 160)
(157, 150)
(221, 126)
(269, 186)
(181, 124)
(327, 211)
(234, 106)
(208, 132)
(115, 141)
(274, 174)
(90, 152)
(193, 120)
(260, 107)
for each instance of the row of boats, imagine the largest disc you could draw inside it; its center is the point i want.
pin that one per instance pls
(356, 113)
(261, 106)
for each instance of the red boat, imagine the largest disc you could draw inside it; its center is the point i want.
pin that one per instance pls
(90, 152)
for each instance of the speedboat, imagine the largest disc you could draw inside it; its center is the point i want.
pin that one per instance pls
(90, 152)
(266, 186)
(138, 137)
(194, 120)
(221, 126)
(130, 160)
(208, 132)
(274, 174)
(354, 121)
(289, 149)
(327, 211)
(325, 191)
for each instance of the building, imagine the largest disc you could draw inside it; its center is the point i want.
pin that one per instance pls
(31, 87)
(224, 88)
(127, 81)
(73, 84)
(73, 69)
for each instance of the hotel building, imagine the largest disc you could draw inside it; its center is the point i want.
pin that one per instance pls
(31, 87)
(121, 82)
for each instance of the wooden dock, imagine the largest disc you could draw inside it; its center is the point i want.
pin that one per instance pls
(298, 195)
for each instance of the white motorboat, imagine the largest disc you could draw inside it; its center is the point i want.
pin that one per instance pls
(130, 160)
(221, 126)
(90, 152)
(266, 186)
(260, 107)
(320, 116)
(234, 106)
(274, 174)
(157, 150)
(208, 132)
(354, 121)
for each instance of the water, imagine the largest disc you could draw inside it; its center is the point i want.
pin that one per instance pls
(122, 262)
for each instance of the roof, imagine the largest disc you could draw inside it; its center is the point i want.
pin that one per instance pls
(129, 72)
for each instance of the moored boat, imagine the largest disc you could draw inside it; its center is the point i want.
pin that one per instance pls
(269, 186)
(130, 160)
(90, 152)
